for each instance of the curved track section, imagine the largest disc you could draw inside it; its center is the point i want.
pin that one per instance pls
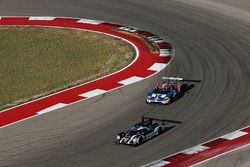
(152, 55)
(211, 46)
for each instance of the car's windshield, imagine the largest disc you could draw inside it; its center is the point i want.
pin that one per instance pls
(132, 131)
(160, 90)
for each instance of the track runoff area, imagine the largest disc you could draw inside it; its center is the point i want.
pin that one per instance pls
(153, 54)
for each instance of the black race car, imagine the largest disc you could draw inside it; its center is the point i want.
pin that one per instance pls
(142, 131)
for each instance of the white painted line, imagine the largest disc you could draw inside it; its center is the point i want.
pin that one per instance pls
(154, 37)
(88, 21)
(165, 55)
(157, 67)
(131, 80)
(93, 93)
(159, 41)
(234, 135)
(158, 163)
(165, 52)
(42, 18)
(129, 29)
(195, 149)
(54, 107)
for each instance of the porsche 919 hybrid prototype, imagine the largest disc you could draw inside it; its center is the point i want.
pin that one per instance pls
(142, 131)
(166, 91)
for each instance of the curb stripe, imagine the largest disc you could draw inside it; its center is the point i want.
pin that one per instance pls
(158, 67)
(195, 149)
(52, 108)
(42, 18)
(93, 93)
(89, 21)
(130, 80)
(165, 52)
(157, 163)
(234, 135)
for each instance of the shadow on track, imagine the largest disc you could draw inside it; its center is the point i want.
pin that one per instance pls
(187, 86)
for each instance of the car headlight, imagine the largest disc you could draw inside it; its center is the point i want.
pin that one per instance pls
(163, 96)
(153, 95)
(167, 98)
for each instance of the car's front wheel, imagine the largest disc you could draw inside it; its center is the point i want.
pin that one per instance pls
(167, 100)
(137, 141)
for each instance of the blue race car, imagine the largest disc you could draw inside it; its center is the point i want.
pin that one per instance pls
(165, 92)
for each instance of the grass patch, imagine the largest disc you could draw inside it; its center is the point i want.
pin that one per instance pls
(37, 61)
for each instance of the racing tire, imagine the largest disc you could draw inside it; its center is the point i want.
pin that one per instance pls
(139, 140)
(160, 131)
(167, 102)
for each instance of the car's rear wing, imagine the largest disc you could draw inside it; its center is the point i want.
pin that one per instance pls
(172, 78)
(163, 121)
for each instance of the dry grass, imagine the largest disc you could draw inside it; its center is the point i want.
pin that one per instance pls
(39, 61)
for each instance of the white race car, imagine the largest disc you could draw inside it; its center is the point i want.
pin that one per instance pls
(142, 131)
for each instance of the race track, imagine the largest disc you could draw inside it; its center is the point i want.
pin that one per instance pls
(212, 45)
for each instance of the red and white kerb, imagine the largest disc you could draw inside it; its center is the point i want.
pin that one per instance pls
(206, 151)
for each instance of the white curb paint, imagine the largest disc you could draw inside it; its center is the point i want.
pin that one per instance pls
(52, 108)
(88, 21)
(129, 29)
(154, 38)
(42, 18)
(93, 93)
(165, 52)
(157, 67)
(158, 163)
(159, 41)
(195, 150)
(234, 135)
(131, 80)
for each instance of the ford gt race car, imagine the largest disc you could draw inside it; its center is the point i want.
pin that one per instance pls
(142, 131)
(166, 91)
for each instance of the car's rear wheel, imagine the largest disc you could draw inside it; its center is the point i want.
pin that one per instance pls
(160, 130)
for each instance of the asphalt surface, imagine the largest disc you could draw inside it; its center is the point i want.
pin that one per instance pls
(212, 45)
